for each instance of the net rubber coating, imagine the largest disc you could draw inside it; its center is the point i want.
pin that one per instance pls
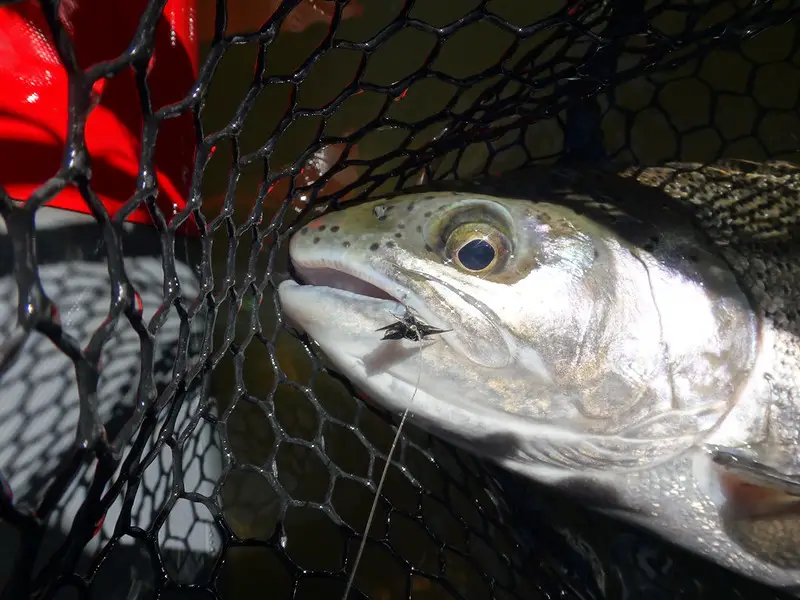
(163, 435)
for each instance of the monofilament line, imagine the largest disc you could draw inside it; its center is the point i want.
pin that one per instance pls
(382, 479)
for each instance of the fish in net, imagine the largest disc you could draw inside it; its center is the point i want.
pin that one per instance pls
(163, 434)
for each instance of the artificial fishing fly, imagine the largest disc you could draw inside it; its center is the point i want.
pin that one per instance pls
(409, 327)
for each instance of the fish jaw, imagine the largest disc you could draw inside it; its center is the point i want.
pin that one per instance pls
(426, 377)
(344, 325)
(338, 320)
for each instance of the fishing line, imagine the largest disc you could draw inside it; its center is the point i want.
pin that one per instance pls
(382, 479)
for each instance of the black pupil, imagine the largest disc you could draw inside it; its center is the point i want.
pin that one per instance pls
(476, 255)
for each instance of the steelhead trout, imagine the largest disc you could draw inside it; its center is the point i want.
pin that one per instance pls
(630, 338)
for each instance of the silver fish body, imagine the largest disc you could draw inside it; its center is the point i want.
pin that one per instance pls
(630, 337)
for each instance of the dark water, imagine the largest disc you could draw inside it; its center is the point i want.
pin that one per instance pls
(701, 110)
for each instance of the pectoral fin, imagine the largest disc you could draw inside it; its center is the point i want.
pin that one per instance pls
(753, 487)
(762, 503)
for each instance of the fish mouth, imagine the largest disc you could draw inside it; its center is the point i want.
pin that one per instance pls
(365, 286)
(336, 277)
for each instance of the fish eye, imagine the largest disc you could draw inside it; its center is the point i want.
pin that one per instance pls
(476, 255)
(476, 247)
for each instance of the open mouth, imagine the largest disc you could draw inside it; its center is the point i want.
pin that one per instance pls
(333, 278)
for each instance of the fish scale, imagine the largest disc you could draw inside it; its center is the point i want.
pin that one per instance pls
(758, 238)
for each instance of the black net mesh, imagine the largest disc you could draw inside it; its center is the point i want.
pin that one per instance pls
(163, 433)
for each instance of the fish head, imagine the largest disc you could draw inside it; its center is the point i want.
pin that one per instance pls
(556, 355)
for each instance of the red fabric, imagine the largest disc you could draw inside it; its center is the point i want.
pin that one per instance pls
(34, 102)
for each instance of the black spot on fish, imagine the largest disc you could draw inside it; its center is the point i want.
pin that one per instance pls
(346, 244)
(544, 218)
(427, 214)
(335, 228)
(398, 235)
(304, 231)
(429, 197)
(374, 246)
(401, 226)
(410, 207)
(316, 240)
(596, 254)
(390, 244)
(419, 228)
(322, 227)
(441, 208)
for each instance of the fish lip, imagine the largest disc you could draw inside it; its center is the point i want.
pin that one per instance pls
(368, 284)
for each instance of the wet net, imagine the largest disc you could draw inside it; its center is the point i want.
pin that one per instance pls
(165, 435)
